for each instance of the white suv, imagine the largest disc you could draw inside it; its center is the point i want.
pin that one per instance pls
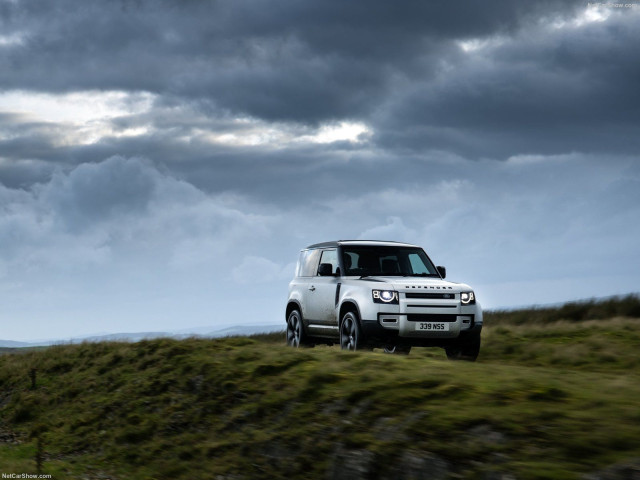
(373, 294)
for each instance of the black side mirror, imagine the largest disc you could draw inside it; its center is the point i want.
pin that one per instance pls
(325, 270)
(442, 271)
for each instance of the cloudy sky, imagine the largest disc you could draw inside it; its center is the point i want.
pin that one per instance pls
(163, 162)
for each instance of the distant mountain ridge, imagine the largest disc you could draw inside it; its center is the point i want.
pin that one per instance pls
(137, 336)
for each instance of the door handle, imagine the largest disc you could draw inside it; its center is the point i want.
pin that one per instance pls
(312, 288)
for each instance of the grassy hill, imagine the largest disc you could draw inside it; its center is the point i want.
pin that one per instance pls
(554, 397)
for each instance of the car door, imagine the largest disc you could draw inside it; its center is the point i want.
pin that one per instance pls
(321, 298)
(302, 284)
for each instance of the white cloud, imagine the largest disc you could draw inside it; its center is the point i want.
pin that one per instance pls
(255, 132)
(87, 117)
(11, 40)
(354, 132)
(594, 13)
(78, 107)
(536, 159)
(475, 44)
(394, 229)
(78, 118)
(255, 270)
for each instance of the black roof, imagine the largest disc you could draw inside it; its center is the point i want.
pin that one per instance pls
(336, 243)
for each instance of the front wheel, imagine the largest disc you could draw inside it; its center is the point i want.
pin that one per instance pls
(350, 334)
(464, 351)
(295, 331)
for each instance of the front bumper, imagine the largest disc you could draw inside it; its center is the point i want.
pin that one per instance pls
(424, 321)
(375, 333)
(408, 324)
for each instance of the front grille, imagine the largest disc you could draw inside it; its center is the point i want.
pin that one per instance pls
(431, 317)
(432, 306)
(429, 295)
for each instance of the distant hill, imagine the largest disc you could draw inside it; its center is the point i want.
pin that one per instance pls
(137, 336)
(12, 344)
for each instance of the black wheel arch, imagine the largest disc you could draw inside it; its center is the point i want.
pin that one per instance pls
(291, 306)
(350, 306)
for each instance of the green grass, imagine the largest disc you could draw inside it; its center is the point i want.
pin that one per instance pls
(546, 400)
(594, 309)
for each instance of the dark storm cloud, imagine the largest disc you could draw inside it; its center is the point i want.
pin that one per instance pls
(285, 60)
(91, 193)
(541, 84)
(21, 138)
(547, 90)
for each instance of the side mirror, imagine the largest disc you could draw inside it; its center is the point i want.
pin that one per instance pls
(325, 270)
(442, 271)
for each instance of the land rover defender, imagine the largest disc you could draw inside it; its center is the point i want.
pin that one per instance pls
(365, 294)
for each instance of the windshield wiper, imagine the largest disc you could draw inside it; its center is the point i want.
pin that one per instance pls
(421, 275)
(383, 275)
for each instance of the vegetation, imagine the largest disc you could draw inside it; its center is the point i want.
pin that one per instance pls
(594, 309)
(546, 399)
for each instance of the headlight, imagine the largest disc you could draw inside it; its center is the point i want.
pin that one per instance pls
(385, 296)
(467, 298)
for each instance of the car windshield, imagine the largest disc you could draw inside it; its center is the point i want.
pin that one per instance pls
(366, 261)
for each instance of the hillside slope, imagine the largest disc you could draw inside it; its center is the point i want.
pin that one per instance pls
(552, 401)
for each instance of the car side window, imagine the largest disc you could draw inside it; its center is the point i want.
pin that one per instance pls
(330, 256)
(308, 263)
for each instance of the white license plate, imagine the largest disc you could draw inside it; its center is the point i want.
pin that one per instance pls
(432, 326)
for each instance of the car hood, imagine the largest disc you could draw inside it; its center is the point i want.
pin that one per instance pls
(425, 283)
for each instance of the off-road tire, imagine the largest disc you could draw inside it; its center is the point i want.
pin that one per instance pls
(351, 337)
(295, 330)
(467, 350)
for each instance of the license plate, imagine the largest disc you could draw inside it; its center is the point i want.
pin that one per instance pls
(432, 326)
